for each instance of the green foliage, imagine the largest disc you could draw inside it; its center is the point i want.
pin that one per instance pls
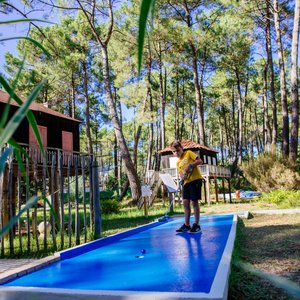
(269, 172)
(283, 198)
(110, 206)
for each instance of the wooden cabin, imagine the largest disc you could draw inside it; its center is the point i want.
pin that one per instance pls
(210, 170)
(60, 138)
(208, 155)
(56, 129)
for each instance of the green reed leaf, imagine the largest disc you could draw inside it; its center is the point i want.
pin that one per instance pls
(29, 39)
(19, 115)
(24, 20)
(146, 7)
(30, 115)
(31, 202)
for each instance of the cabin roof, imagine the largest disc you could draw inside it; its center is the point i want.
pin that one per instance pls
(4, 97)
(187, 145)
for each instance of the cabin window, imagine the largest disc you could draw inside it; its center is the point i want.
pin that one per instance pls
(214, 161)
(34, 151)
(67, 147)
(67, 140)
(173, 161)
(43, 133)
(204, 159)
(208, 160)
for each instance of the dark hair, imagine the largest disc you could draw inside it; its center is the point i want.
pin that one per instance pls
(176, 145)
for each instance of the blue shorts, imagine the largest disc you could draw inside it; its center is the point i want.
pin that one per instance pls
(192, 190)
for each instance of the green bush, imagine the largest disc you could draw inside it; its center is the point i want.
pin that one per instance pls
(269, 172)
(283, 198)
(110, 206)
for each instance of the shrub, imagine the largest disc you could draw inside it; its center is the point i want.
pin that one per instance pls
(283, 198)
(110, 206)
(268, 172)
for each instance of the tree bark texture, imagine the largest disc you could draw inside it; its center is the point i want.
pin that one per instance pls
(294, 87)
(283, 94)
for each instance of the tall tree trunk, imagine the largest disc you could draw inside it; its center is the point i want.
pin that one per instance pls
(151, 126)
(284, 105)
(258, 138)
(183, 113)
(162, 99)
(130, 168)
(201, 138)
(266, 124)
(221, 137)
(271, 73)
(103, 43)
(234, 126)
(294, 87)
(73, 96)
(198, 95)
(176, 113)
(240, 118)
(87, 109)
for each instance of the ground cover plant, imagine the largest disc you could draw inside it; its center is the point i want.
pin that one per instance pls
(270, 243)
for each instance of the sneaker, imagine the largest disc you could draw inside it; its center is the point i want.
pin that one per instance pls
(195, 228)
(184, 228)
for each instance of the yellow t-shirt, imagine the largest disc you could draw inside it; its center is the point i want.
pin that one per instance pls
(187, 158)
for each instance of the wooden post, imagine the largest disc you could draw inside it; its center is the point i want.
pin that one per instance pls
(84, 199)
(69, 203)
(229, 187)
(96, 195)
(33, 224)
(171, 202)
(223, 187)
(19, 208)
(205, 194)
(11, 203)
(216, 189)
(77, 221)
(61, 198)
(27, 198)
(35, 176)
(208, 191)
(54, 201)
(44, 192)
(145, 207)
(4, 201)
(90, 159)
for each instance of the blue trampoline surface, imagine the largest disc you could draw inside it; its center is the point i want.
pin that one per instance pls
(172, 263)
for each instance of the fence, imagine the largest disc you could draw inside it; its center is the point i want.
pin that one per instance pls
(69, 181)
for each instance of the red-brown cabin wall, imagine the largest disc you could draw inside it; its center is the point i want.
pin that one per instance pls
(55, 125)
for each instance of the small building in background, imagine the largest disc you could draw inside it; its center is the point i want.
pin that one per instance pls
(56, 129)
(208, 155)
(209, 170)
(60, 138)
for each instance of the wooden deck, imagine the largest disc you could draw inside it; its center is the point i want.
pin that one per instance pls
(208, 172)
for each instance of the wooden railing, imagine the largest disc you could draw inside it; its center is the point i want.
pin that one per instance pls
(214, 171)
(52, 155)
(62, 178)
(205, 170)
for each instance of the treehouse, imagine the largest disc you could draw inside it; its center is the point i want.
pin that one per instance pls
(46, 173)
(57, 130)
(210, 170)
(208, 156)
